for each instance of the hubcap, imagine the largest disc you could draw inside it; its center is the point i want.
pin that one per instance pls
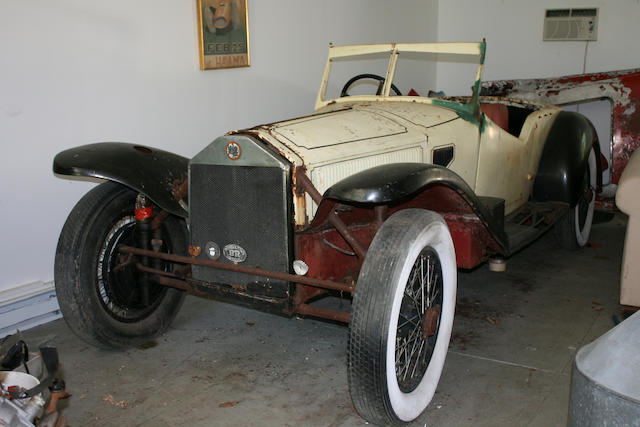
(419, 320)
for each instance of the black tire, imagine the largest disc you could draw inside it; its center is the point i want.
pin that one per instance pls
(103, 306)
(572, 230)
(377, 366)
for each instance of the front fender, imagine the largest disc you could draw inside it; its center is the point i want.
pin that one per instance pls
(397, 181)
(155, 173)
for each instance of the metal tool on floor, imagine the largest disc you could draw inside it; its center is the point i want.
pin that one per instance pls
(23, 397)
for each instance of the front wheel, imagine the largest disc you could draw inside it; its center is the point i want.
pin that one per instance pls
(99, 293)
(402, 316)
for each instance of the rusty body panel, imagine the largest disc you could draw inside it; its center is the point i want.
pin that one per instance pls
(335, 220)
(621, 88)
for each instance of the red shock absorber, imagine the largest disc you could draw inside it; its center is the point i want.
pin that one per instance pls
(144, 209)
(143, 213)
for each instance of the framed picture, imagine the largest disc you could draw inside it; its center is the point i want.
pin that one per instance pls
(223, 27)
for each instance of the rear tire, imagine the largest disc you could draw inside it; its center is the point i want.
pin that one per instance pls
(101, 304)
(573, 229)
(402, 316)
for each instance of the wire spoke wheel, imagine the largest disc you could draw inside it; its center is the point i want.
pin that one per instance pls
(401, 318)
(417, 329)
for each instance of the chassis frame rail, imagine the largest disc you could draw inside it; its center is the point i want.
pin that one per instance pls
(309, 281)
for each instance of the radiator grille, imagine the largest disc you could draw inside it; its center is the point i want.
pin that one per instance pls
(245, 206)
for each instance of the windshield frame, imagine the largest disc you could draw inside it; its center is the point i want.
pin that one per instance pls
(393, 49)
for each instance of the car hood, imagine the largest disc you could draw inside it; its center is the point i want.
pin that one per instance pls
(358, 130)
(342, 139)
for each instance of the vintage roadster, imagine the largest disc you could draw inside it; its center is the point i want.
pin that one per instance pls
(374, 197)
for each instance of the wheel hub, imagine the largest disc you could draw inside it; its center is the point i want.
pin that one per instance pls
(430, 321)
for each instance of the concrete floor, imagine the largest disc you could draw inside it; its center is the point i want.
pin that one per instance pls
(514, 339)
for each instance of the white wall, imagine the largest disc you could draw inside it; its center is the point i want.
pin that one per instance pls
(76, 71)
(513, 30)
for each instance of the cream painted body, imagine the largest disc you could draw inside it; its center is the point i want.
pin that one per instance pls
(351, 134)
(345, 138)
(338, 142)
(507, 165)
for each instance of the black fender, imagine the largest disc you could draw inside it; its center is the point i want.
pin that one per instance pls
(397, 181)
(155, 173)
(564, 159)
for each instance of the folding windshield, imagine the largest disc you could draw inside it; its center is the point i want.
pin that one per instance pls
(368, 72)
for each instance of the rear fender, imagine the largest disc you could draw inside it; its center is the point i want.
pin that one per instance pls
(564, 159)
(157, 174)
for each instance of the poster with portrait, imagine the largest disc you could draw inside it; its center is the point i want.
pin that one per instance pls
(223, 34)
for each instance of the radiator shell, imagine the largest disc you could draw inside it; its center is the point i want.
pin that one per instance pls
(246, 203)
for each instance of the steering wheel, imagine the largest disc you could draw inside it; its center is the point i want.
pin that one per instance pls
(345, 88)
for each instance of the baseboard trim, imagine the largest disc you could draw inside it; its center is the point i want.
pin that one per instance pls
(26, 306)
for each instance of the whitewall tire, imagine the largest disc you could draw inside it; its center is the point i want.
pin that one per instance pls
(402, 316)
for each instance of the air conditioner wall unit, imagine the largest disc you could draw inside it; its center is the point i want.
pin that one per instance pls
(570, 25)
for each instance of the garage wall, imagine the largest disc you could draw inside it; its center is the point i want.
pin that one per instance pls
(74, 72)
(515, 50)
(513, 30)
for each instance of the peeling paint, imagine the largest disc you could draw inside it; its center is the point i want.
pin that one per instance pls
(621, 88)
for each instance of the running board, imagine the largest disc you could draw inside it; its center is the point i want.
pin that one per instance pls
(530, 221)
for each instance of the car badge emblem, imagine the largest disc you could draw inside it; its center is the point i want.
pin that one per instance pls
(233, 150)
(234, 253)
